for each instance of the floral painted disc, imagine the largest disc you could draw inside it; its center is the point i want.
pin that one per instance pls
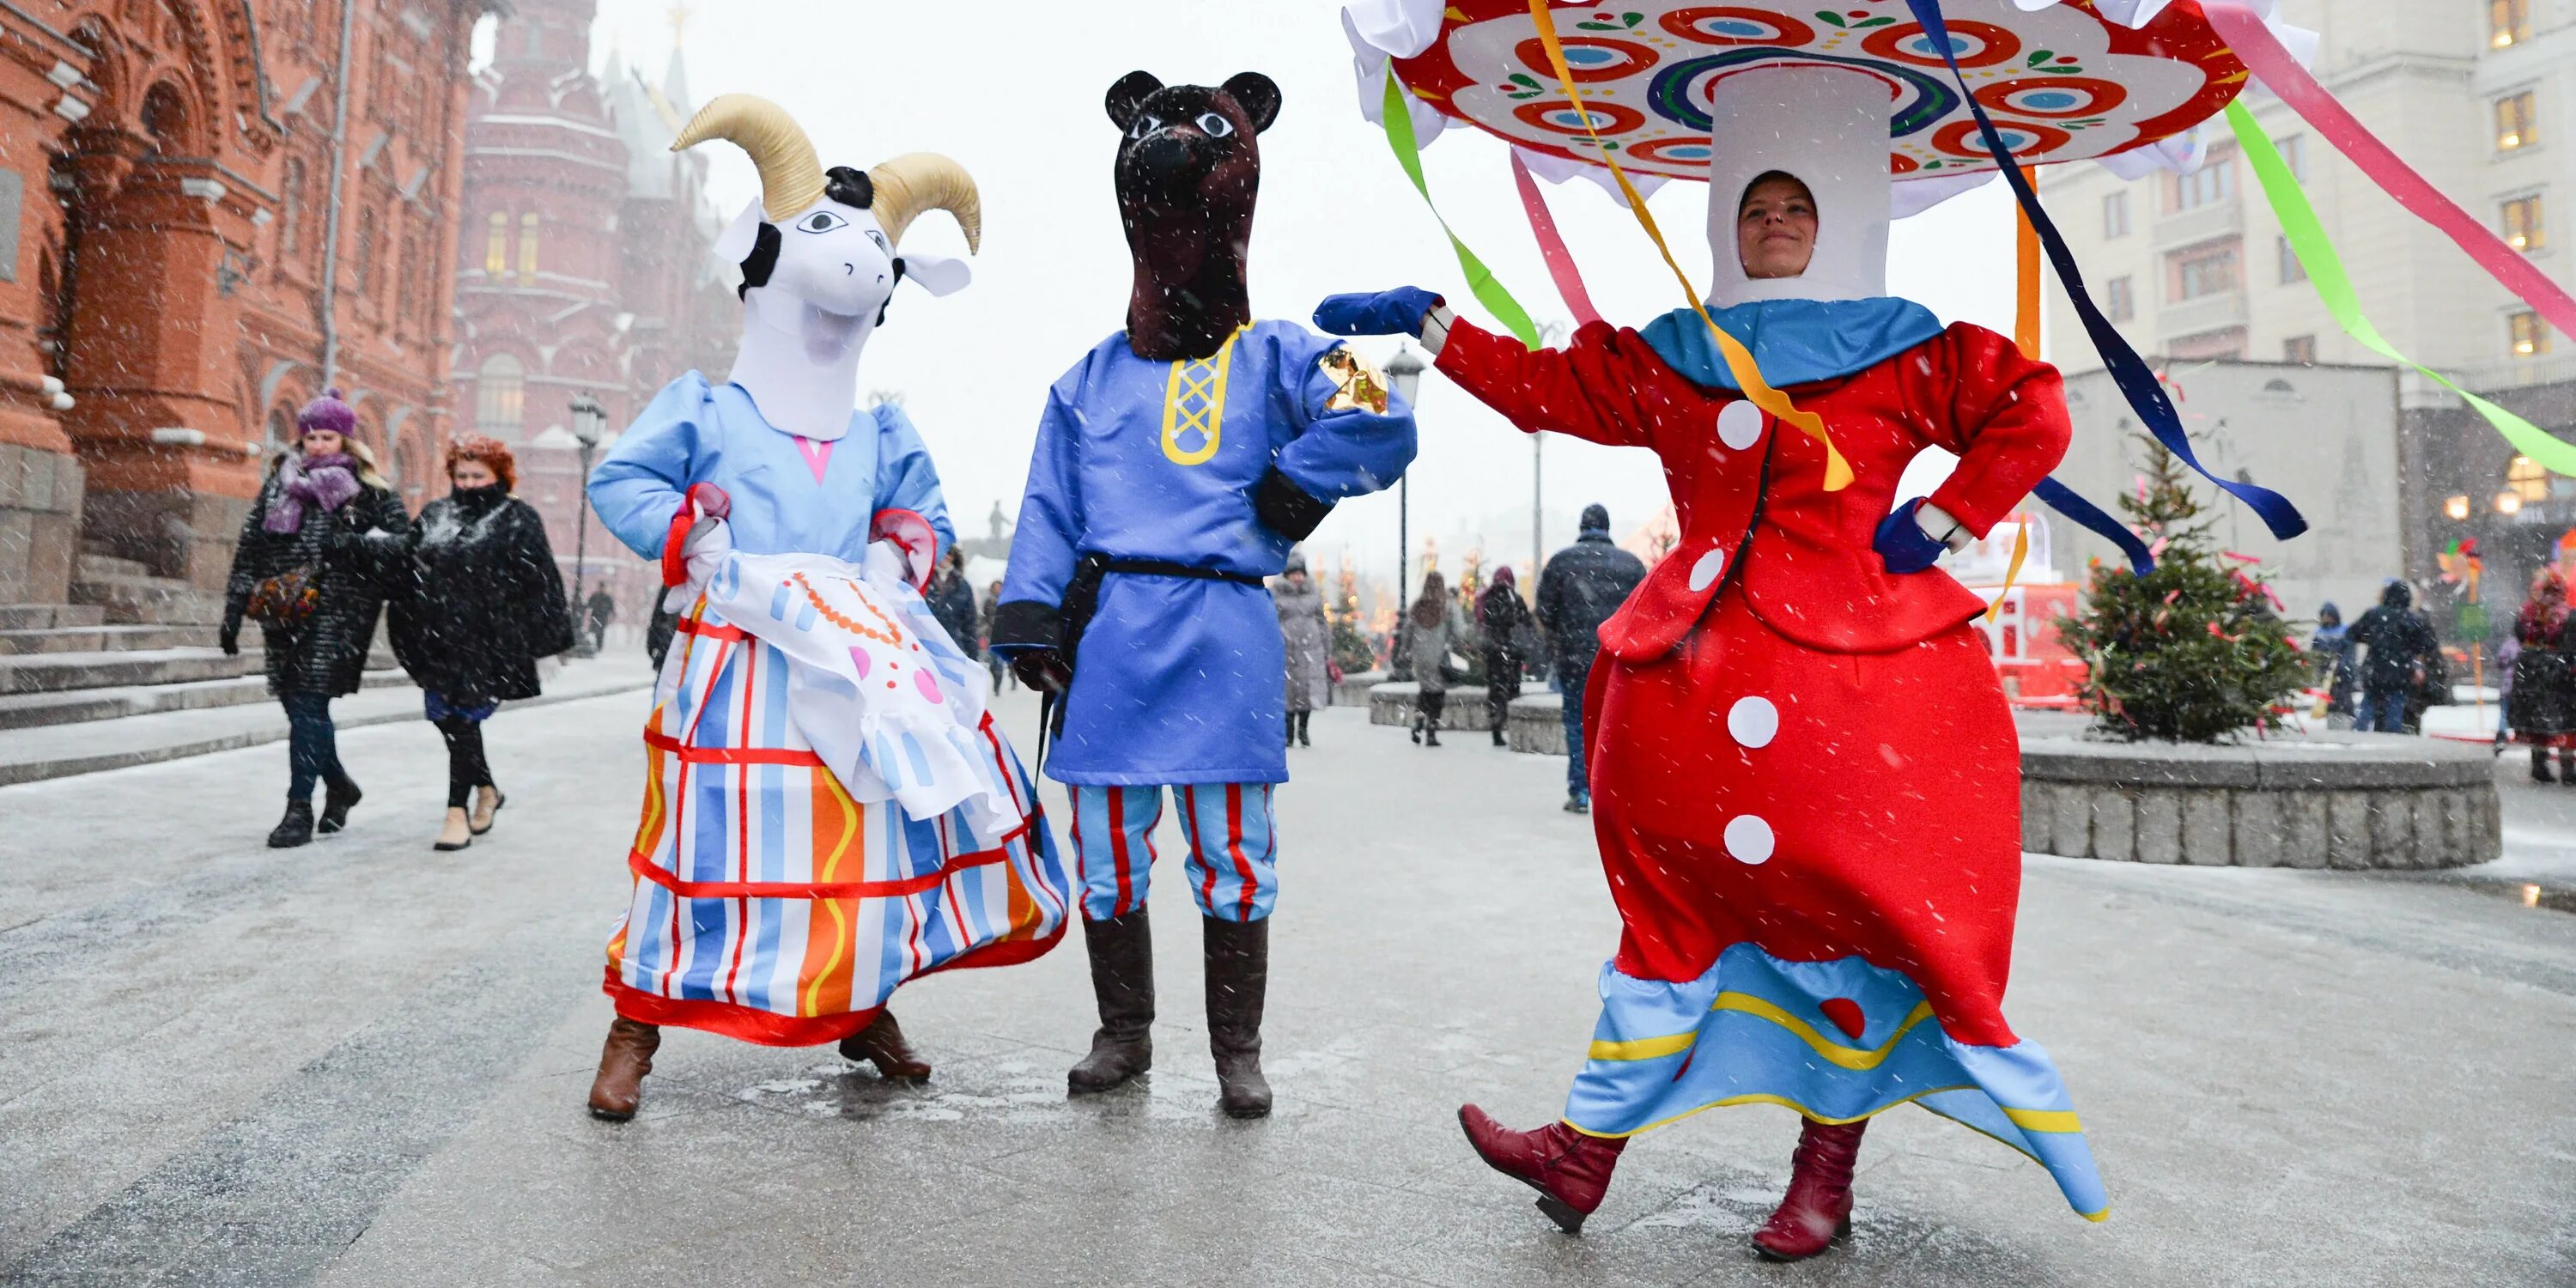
(2062, 83)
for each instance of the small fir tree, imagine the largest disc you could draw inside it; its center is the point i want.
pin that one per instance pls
(1351, 648)
(2194, 651)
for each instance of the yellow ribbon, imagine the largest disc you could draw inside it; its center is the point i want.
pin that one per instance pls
(1739, 360)
(2026, 336)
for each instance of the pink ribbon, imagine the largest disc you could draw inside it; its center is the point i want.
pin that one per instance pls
(1552, 248)
(2254, 43)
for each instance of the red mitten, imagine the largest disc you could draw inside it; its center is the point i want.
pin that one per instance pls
(913, 535)
(703, 500)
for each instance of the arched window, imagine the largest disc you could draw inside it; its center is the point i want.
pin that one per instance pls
(2526, 479)
(165, 118)
(500, 397)
(362, 272)
(528, 248)
(281, 430)
(496, 246)
(290, 209)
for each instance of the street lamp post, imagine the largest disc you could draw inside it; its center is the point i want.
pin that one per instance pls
(589, 425)
(1404, 371)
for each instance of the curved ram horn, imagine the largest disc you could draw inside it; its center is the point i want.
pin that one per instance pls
(790, 178)
(919, 181)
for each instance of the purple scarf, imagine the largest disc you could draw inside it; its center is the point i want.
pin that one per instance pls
(327, 481)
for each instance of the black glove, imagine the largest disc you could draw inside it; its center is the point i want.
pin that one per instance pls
(230, 639)
(1042, 669)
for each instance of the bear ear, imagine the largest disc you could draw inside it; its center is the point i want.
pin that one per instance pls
(1258, 95)
(1127, 97)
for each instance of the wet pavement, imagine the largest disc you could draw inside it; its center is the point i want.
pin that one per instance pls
(363, 1063)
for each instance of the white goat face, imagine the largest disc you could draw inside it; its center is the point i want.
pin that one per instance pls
(837, 259)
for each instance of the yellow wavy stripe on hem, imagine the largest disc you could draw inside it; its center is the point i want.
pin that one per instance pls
(2060, 1121)
(1643, 1048)
(1739, 360)
(1848, 1057)
(1766, 1098)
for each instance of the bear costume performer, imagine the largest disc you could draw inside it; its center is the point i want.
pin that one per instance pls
(1806, 781)
(1174, 466)
(829, 809)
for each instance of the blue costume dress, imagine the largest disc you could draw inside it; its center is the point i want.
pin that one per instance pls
(829, 810)
(1208, 470)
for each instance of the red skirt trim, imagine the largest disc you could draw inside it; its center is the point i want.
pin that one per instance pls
(767, 1028)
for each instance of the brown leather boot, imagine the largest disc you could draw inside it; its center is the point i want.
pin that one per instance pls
(881, 1044)
(1816, 1213)
(1122, 981)
(1238, 980)
(623, 1062)
(1570, 1170)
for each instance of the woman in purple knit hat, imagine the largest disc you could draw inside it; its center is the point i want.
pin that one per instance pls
(315, 553)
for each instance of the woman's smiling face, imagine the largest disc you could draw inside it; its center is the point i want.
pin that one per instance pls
(1775, 227)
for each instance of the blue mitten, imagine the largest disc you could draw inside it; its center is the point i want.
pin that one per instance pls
(1396, 312)
(1902, 542)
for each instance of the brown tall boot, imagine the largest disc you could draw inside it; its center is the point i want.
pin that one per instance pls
(1816, 1212)
(881, 1044)
(1238, 980)
(623, 1062)
(1122, 981)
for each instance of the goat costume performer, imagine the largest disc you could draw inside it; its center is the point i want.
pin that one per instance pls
(829, 809)
(1175, 465)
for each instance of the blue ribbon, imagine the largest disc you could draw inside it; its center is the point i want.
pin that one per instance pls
(2063, 499)
(2128, 371)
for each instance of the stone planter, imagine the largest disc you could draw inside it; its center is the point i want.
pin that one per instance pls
(1392, 704)
(1353, 690)
(1536, 724)
(2328, 800)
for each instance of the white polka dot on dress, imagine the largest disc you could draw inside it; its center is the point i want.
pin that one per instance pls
(1739, 425)
(1748, 839)
(1753, 722)
(1705, 573)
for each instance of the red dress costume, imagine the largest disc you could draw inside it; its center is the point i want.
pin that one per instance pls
(1805, 778)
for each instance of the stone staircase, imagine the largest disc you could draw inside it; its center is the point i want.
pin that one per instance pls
(127, 594)
(67, 663)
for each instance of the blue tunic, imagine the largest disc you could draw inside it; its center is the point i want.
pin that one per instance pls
(693, 432)
(1178, 678)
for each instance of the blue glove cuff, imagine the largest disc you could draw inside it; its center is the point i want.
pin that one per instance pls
(1396, 312)
(1902, 543)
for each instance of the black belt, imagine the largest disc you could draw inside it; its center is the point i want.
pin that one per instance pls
(1082, 601)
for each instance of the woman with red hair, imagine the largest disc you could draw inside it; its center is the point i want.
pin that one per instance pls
(486, 602)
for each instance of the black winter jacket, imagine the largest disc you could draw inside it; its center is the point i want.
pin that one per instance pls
(952, 602)
(1584, 584)
(357, 550)
(484, 599)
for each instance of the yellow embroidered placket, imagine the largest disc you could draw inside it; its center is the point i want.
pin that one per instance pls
(1194, 399)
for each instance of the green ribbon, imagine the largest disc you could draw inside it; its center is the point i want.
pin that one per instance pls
(1480, 279)
(2307, 239)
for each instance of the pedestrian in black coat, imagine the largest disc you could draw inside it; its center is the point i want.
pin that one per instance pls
(952, 604)
(2401, 648)
(484, 601)
(1583, 585)
(315, 554)
(1504, 624)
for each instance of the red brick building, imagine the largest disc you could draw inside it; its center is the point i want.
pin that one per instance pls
(209, 209)
(586, 260)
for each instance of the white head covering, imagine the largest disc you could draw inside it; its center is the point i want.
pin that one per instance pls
(1828, 126)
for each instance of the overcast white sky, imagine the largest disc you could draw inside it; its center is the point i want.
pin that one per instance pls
(1013, 89)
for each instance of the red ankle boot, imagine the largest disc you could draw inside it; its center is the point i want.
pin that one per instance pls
(1816, 1213)
(1568, 1169)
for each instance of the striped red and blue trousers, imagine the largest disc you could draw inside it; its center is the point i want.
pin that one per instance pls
(1233, 839)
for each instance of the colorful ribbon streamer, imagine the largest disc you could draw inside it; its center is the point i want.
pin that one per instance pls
(2281, 72)
(2136, 381)
(1739, 360)
(1551, 246)
(1480, 279)
(2093, 519)
(2307, 238)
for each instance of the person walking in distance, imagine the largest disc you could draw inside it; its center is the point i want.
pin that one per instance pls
(1309, 640)
(599, 611)
(310, 570)
(1433, 629)
(1583, 585)
(1503, 624)
(484, 602)
(993, 660)
(2537, 701)
(2396, 643)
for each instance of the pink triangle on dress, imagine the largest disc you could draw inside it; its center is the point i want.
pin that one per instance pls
(818, 456)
